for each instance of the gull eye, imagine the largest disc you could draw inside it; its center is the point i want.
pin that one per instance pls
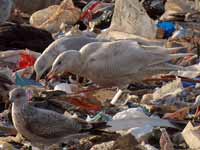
(59, 63)
(18, 95)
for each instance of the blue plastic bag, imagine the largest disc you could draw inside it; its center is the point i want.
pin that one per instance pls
(189, 84)
(26, 82)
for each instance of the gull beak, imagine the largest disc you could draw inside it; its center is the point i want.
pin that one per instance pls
(37, 78)
(54, 73)
(51, 75)
(11, 99)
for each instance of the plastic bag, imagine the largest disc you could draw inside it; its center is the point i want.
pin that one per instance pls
(26, 60)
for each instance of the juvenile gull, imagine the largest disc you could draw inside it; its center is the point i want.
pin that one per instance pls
(44, 62)
(115, 63)
(41, 126)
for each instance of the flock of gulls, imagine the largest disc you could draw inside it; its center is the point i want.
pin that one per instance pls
(106, 63)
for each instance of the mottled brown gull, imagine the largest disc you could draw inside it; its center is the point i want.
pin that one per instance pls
(42, 126)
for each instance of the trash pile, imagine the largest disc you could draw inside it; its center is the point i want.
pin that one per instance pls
(99, 74)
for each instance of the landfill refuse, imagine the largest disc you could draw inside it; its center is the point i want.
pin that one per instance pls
(99, 74)
(130, 10)
(51, 18)
(30, 8)
(5, 10)
(168, 28)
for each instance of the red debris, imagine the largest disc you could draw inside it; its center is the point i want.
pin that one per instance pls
(26, 60)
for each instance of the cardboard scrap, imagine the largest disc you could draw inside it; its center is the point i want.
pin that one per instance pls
(191, 136)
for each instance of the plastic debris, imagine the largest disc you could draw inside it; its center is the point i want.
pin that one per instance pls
(171, 88)
(52, 17)
(142, 133)
(104, 146)
(191, 135)
(131, 113)
(64, 87)
(26, 60)
(168, 28)
(197, 101)
(101, 116)
(155, 112)
(135, 117)
(18, 59)
(97, 13)
(116, 97)
(84, 104)
(178, 115)
(135, 16)
(26, 82)
(165, 141)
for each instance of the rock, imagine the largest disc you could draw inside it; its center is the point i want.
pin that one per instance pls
(129, 17)
(126, 142)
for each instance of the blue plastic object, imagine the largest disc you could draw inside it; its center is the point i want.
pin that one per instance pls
(101, 116)
(25, 82)
(168, 27)
(189, 84)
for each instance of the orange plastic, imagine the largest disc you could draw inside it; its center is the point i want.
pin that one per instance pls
(84, 105)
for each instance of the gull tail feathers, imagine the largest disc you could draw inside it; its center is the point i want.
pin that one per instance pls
(180, 55)
(162, 49)
(166, 67)
(170, 57)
